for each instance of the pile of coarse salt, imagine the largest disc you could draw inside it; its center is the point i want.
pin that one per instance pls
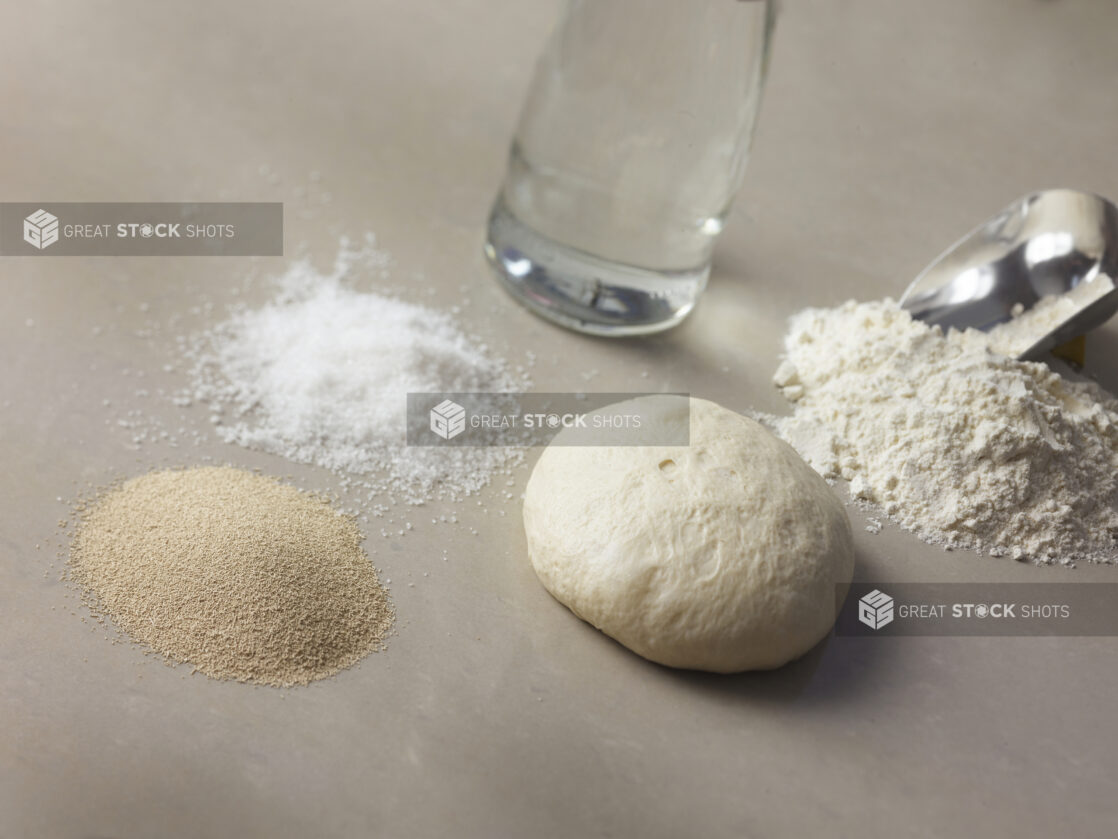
(320, 375)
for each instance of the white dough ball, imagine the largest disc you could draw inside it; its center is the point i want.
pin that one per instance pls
(723, 555)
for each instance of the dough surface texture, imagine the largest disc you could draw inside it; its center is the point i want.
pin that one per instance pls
(723, 555)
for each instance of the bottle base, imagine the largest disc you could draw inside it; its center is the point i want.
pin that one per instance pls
(584, 292)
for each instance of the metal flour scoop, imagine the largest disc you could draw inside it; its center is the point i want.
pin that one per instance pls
(1057, 248)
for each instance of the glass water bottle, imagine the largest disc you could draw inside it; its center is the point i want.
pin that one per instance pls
(632, 142)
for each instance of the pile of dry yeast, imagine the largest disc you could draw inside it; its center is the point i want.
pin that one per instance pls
(240, 575)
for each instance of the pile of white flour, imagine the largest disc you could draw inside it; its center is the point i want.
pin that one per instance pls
(963, 446)
(320, 374)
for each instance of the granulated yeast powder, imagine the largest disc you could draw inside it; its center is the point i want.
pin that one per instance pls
(239, 575)
(954, 441)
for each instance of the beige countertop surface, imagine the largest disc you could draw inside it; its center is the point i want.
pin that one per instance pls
(889, 128)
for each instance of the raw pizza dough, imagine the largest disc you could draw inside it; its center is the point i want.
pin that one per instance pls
(723, 555)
